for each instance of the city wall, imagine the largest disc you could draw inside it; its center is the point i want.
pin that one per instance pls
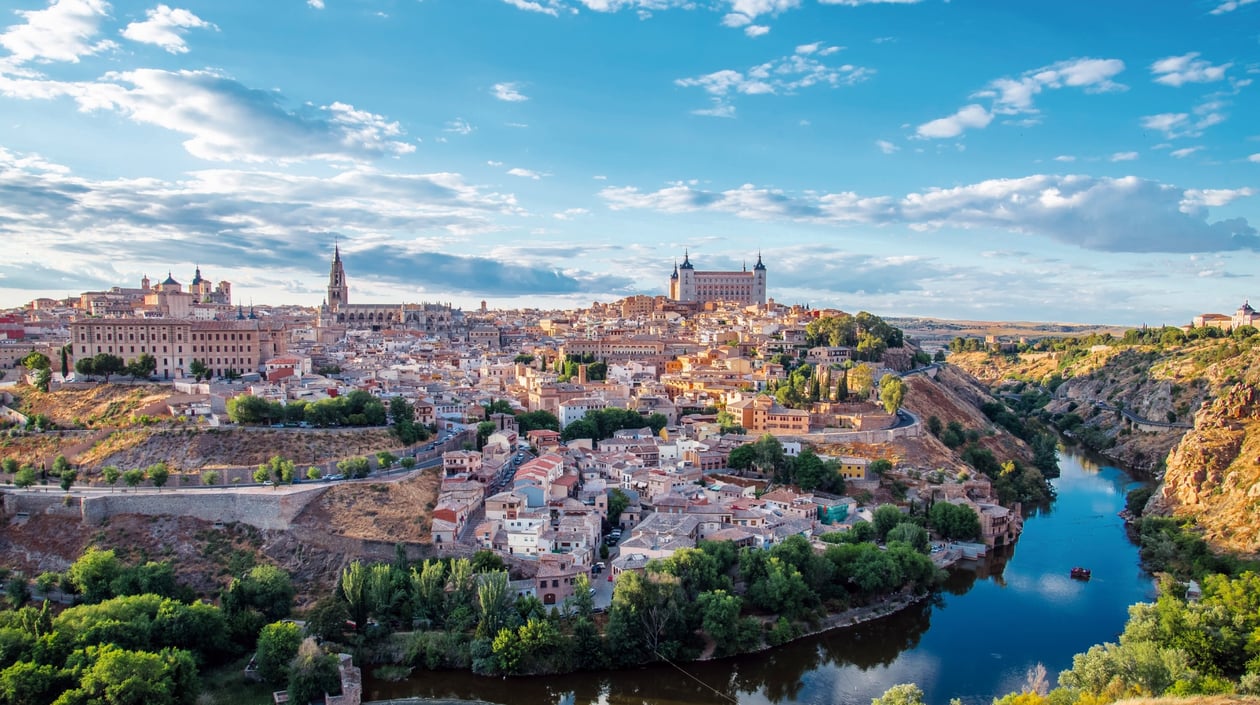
(264, 510)
(883, 436)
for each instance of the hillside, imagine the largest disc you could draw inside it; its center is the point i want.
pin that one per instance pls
(1210, 472)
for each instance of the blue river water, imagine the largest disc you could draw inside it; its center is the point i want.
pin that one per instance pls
(994, 622)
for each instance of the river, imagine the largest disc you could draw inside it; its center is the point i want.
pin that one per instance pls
(991, 625)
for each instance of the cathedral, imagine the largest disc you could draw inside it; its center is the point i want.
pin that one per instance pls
(337, 309)
(689, 285)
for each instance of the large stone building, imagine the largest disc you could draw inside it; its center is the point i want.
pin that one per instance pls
(688, 285)
(240, 345)
(337, 309)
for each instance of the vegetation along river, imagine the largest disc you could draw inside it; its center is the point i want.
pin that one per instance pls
(992, 623)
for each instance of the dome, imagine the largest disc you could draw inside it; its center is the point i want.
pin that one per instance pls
(169, 280)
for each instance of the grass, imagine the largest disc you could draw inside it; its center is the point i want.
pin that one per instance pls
(226, 685)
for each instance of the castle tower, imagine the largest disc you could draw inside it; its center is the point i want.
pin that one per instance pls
(687, 279)
(338, 292)
(759, 282)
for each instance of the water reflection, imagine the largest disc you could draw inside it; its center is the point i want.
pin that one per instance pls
(992, 621)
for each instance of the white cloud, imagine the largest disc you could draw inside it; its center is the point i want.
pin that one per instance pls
(1229, 6)
(734, 19)
(756, 30)
(1175, 125)
(1114, 215)
(570, 213)
(494, 163)
(1184, 152)
(62, 32)
(1255, 158)
(1197, 198)
(552, 7)
(509, 92)
(886, 147)
(1124, 156)
(855, 3)
(784, 75)
(1014, 96)
(226, 121)
(1065, 158)
(968, 116)
(317, 4)
(459, 126)
(525, 173)
(166, 27)
(1187, 68)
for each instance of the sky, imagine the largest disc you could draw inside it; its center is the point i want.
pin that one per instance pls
(1094, 162)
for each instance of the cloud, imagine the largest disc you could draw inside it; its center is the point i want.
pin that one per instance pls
(459, 126)
(525, 173)
(783, 76)
(1124, 156)
(856, 3)
(1175, 125)
(1255, 158)
(317, 4)
(570, 213)
(1187, 68)
(1014, 96)
(166, 27)
(744, 12)
(1184, 152)
(508, 92)
(886, 147)
(756, 30)
(546, 7)
(1229, 6)
(968, 116)
(1113, 215)
(1065, 158)
(62, 32)
(266, 222)
(225, 120)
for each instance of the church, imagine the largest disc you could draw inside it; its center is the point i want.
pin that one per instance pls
(692, 286)
(337, 309)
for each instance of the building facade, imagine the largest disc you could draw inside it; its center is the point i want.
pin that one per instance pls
(223, 346)
(692, 286)
(337, 309)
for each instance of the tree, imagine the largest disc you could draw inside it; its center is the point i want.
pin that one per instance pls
(280, 469)
(68, 477)
(133, 477)
(158, 475)
(142, 367)
(407, 462)
(885, 517)
(198, 370)
(278, 644)
(111, 473)
(313, 473)
(903, 694)
(36, 361)
(84, 366)
(860, 380)
(879, 467)
(537, 420)
(386, 459)
(617, 503)
(911, 534)
(355, 467)
(954, 521)
(261, 473)
(17, 591)
(43, 379)
(892, 390)
(105, 364)
(93, 574)
(65, 361)
(25, 477)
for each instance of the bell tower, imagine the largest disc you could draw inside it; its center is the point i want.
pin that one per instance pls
(338, 292)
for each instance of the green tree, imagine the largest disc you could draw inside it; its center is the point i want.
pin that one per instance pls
(537, 420)
(93, 574)
(954, 521)
(158, 474)
(121, 677)
(43, 379)
(111, 474)
(617, 503)
(68, 477)
(105, 364)
(261, 474)
(210, 477)
(25, 477)
(198, 370)
(312, 674)
(860, 379)
(280, 469)
(386, 459)
(484, 430)
(142, 367)
(355, 467)
(892, 391)
(911, 534)
(278, 644)
(903, 694)
(885, 517)
(17, 591)
(36, 361)
(313, 473)
(132, 478)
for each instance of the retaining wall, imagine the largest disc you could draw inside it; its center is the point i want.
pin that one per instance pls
(264, 510)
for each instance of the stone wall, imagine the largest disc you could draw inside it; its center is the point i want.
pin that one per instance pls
(264, 510)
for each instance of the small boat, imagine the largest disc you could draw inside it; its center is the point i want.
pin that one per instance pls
(1079, 573)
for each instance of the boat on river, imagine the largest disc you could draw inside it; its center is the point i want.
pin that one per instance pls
(1079, 573)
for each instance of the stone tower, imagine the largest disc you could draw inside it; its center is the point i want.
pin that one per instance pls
(759, 282)
(338, 292)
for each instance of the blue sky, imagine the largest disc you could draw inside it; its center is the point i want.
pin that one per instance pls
(1057, 161)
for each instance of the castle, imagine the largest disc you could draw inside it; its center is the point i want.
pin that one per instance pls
(688, 285)
(337, 309)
